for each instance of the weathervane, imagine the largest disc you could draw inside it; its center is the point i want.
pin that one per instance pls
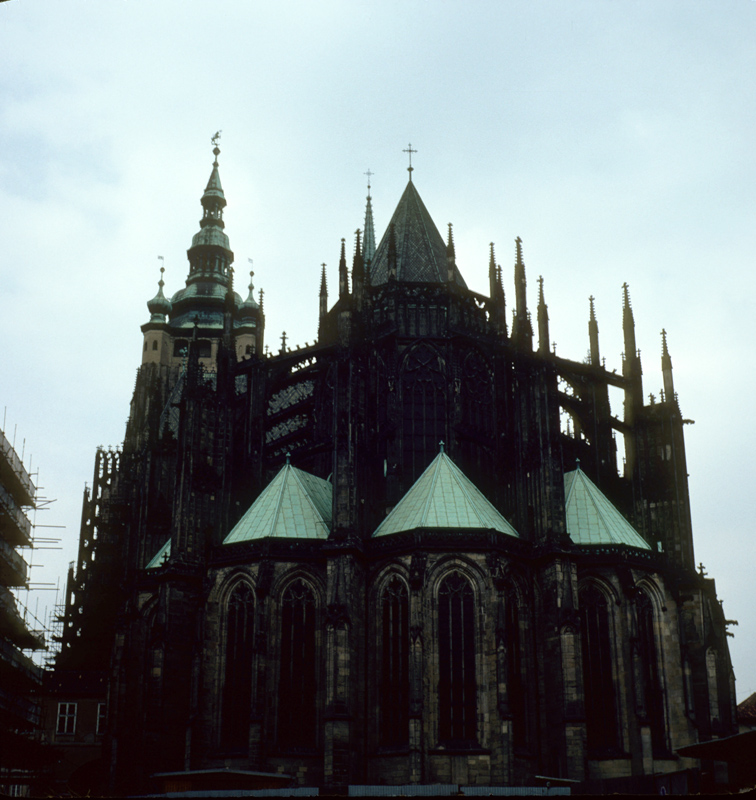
(214, 141)
(410, 151)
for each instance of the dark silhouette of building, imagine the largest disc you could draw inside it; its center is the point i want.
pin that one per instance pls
(380, 558)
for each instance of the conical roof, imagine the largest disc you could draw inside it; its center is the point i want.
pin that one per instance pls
(592, 519)
(420, 250)
(443, 497)
(294, 505)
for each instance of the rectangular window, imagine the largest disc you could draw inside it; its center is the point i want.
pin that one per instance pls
(101, 718)
(66, 718)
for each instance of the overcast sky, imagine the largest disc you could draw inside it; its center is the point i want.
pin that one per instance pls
(616, 138)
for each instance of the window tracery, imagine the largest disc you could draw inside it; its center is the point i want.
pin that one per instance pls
(239, 651)
(457, 685)
(651, 685)
(297, 686)
(394, 648)
(602, 726)
(424, 402)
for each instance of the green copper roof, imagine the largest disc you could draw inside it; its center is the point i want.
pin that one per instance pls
(161, 556)
(592, 519)
(443, 497)
(295, 504)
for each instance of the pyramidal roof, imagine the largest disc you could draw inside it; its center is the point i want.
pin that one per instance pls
(161, 556)
(295, 504)
(592, 519)
(443, 497)
(420, 250)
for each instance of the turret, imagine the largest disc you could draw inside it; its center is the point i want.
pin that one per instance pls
(593, 335)
(156, 349)
(522, 330)
(210, 255)
(249, 334)
(543, 320)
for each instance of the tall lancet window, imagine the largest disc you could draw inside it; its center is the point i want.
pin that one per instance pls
(424, 409)
(652, 695)
(297, 682)
(457, 688)
(237, 683)
(598, 681)
(394, 648)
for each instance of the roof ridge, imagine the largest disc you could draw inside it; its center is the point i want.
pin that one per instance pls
(279, 502)
(458, 474)
(434, 478)
(306, 491)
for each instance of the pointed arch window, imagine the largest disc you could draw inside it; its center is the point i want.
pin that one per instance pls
(457, 686)
(297, 686)
(237, 684)
(424, 410)
(598, 681)
(394, 648)
(651, 685)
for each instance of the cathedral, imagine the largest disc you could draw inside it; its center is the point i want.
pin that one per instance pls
(382, 558)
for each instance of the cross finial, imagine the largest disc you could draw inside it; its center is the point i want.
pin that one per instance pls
(283, 342)
(369, 176)
(410, 151)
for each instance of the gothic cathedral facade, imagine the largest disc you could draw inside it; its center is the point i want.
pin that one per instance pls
(380, 559)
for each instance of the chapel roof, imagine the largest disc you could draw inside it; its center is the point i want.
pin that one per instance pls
(420, 249)
(295, 504)
(161, 556)
(443, 497)
(592, 519)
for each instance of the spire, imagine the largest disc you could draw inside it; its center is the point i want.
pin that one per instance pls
(210, 255)
(421, 255)
(492, 273)
(522, 330)
(543, 320)
(593, 335)
(160, 305)
(451, 257)
(343, 274)
(368, 247)
(323, 299)
(358, 270)
(669, 386)
(628, 325)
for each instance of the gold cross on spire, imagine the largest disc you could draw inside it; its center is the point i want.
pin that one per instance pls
(410, 151)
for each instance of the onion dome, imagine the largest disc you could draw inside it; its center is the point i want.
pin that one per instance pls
(160, 305)
(250, 306)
